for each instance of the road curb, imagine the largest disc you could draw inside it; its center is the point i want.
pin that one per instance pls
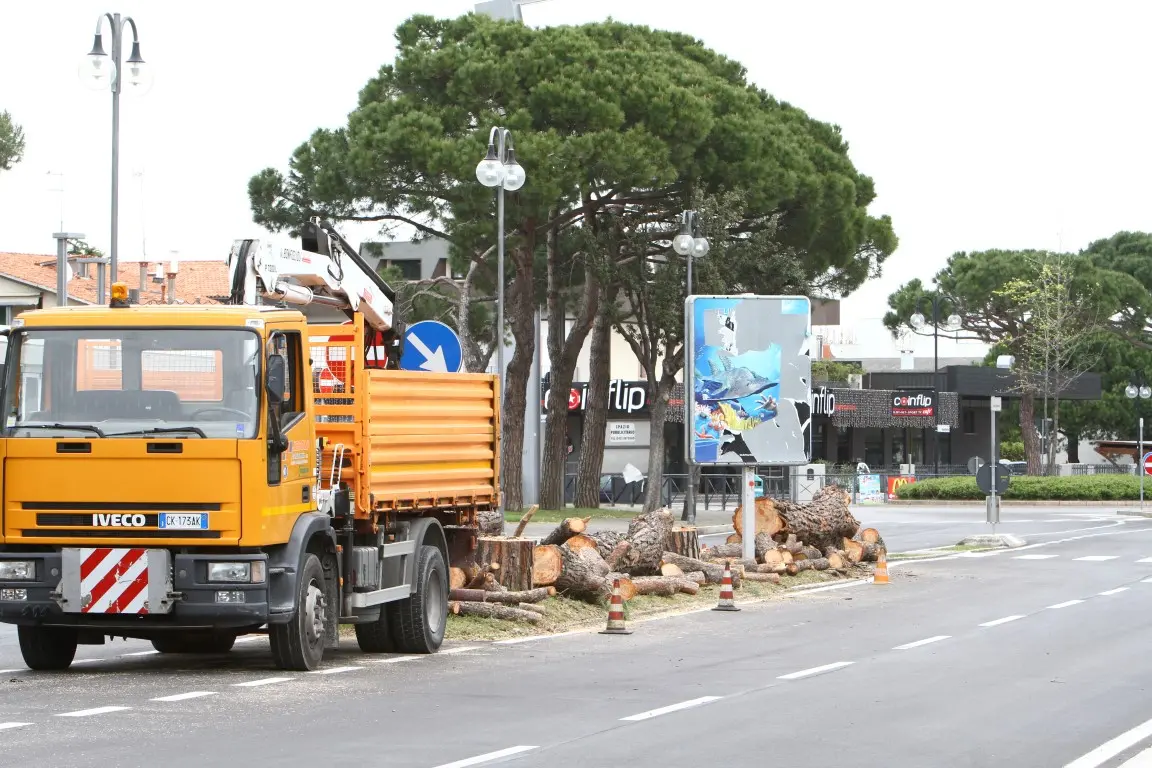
(1133, 513)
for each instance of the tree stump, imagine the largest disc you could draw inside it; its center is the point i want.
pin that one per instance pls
(684, 541)
(514, 556)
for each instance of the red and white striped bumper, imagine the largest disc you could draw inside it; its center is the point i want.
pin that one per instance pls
(116, 580)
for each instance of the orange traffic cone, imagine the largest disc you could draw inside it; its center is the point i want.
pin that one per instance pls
(727, 603)
(616, 613)
(881, 574)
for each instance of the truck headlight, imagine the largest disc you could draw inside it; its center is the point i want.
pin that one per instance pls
(17, 570)
(251, 572)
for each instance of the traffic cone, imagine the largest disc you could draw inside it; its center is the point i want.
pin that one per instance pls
(727, 603)
(881, 574)
(616, 613)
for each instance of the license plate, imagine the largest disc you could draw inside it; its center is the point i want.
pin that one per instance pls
(174, 521)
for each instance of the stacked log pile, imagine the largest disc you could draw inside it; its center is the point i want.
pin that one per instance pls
(506, 577)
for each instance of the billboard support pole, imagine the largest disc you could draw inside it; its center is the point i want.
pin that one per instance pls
(748, 510)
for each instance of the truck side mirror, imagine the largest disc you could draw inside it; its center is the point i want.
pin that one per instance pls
(277, 379)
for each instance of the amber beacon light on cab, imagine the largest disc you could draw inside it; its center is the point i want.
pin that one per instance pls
(178, 474)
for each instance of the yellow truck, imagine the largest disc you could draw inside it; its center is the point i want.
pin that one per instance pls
(190, 474)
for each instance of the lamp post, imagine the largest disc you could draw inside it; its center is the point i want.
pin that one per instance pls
(499, 169)
(100, 71)
(952, 323)
(690, 244)
(1142, 392)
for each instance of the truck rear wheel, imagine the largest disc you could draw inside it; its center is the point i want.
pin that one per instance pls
(299, 644)
(47, 648)
(194, 643)
(418, 621)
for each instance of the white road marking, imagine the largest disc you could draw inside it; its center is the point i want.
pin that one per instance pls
(1145, 560)
(487, 757)
(530, 638)
(1146, 581)
(1004, 620)
(142, 653)
(672, 708)
(85, 661)
(1114, 591)
(1033, 557)
(461, 649)
(1110, 749)
(814, 671)
(249, 638)
(10, 671)
(1142, 760)
(186, 696)
(1094, 558)
(7, 726)
(395, 659)
(262, 681)
(919, 643)
(1066, 603)
(90, 712)
(333, 670)
(980, 554)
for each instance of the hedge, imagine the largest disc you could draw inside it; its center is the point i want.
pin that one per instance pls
(1024, 488)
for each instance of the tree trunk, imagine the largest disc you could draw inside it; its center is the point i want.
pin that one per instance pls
(1074, 447)
(684, 541)
(508, 598)
(514, 557)
(823, 523)
(654, 493)
(1052, 438)
(490, 522)
(583, 574)
(595, 415)
(568, 528)
(1028, 432)
(494, 611)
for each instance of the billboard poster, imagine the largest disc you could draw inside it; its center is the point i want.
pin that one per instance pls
(748, 371)
(868, 491)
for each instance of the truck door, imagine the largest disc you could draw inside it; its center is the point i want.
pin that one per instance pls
(290, 471)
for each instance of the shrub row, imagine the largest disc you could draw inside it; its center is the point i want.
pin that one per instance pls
(1074, 488)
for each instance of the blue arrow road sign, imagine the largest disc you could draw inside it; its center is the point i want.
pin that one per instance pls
(431, 346)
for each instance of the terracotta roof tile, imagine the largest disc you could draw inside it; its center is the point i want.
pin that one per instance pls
(195, 280)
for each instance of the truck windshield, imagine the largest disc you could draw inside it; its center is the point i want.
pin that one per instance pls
(132, 382)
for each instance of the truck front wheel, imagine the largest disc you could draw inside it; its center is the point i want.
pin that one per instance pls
(299, 644)
(418, 621)
(47, 649)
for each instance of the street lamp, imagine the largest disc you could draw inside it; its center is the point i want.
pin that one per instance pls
(499, 169)
(690, 244)
(951, 324)
(1143, 392)
(98, 70)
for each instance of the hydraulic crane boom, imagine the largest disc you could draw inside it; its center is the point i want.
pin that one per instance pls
(325, 270)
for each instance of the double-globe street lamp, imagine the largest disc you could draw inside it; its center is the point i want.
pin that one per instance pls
(98, 70)
(1142, 392)
(951, 324)
(690, 244)
(499, 169)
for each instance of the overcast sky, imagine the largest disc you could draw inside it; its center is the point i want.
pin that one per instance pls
(1004, 124)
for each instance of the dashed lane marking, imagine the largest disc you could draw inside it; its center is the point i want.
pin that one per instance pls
(814, 670)
(1065, 604)
(9, 726)
(395, 659)
(462, 649)
(919, 643)
(488, 757)
(1005, 620)
(333, 670)
(1094, 558)
(185, 696)
(1114, 591)
(91, 712)
(1034, 557)
(1145, 560)
(262, 681)
(671, 708)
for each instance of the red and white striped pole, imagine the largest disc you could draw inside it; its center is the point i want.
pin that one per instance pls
(616, 613)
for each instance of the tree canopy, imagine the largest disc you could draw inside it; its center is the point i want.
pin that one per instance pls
(11, 142)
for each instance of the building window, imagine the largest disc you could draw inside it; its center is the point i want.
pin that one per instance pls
(409, 268)
(968, 421)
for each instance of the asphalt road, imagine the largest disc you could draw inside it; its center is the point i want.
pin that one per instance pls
(1030, 657)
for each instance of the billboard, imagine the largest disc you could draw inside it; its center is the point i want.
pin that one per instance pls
(749, 375)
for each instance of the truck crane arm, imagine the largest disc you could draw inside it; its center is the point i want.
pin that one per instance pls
(324, 270)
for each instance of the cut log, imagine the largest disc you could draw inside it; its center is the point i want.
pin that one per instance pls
(532, 607)
(767, 518)
(773, 557)
(786, 557)
(696, 576)
(457, 578)
(479, 579)
(490, 522)
(568, 528)
(524, 521)
(491, 585)
(582, 574)
(871, 536)
(732, 539)
(668, 569)
(507, 598)
(546, 565)
(582, 541)
(684, 541)
(496, 611)
(822, 523)
(811, 552)
(859, 552)
(606, 541)
(764, 544)
(797, 566)
(819, 563)
(656, 585)
(771, 568)
(836, 561)
(712, 572)
(627, 587)
(792, 544)
(512, 558)
(768, 578)
(648, 533)
(721, 551)
(617, 553)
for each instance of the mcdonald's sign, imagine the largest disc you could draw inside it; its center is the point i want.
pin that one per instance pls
(895, 482)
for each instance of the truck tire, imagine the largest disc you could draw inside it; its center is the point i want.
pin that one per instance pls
(47, 649)
(299, 644)
(194, 643)
(418, 621)
(376, 636)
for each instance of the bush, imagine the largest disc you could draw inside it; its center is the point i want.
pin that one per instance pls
(1023, 488)
(1012, 450)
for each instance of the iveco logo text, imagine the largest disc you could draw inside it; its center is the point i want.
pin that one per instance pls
(118, 521)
